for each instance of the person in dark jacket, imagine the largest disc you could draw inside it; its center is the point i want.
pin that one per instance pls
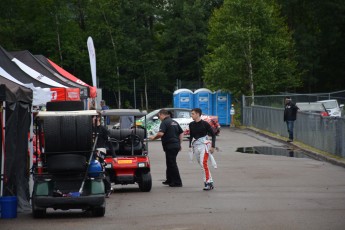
(171, 135)
(101, 145)
(290, 114)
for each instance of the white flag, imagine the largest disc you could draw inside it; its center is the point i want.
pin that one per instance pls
(92, 56)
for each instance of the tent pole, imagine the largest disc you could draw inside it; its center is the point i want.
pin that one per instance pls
(3, 122)
(31, 150)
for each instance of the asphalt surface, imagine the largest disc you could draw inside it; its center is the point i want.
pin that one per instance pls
(252, 191)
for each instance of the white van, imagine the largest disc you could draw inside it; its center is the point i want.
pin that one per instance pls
(333, 108)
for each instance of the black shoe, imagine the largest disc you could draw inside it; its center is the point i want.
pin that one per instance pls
(208, 186)
(175, 185)
(107, 195)
(166, 182)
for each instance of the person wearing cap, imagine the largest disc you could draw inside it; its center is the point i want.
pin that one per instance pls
(290, 115)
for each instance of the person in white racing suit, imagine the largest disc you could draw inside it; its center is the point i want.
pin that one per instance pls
(201, 146)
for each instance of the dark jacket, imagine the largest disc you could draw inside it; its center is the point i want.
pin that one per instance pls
(172, 131)
(103, 135)
(290, 112)
(201, 129)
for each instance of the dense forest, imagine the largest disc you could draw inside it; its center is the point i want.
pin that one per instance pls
(147, 48)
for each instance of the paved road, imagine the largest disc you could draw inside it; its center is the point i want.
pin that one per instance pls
(251, 192)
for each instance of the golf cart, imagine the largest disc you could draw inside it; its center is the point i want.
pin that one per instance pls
(131, 164)
(64, 177)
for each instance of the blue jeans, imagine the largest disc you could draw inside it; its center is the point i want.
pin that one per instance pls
(289, 125)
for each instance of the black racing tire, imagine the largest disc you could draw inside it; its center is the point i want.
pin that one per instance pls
(132, 149)
(65, 105)
(115, 133)
(132, 139)
(145, 183)
(125, 133)
(66, 162)
(84, 133)
(68, 134)
(140, 132)
(52, 134)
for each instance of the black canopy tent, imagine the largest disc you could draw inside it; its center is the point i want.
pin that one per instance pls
(10, 67)
(33, 62)
(16, 103)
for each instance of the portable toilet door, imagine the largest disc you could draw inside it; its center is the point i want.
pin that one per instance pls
(203, 100)
(183, 98)
(222, 106)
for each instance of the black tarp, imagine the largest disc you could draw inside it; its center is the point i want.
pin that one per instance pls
(18, 100)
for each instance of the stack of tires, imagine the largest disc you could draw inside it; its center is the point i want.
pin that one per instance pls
(68, 143)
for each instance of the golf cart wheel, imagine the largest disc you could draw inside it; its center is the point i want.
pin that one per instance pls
(98, 211)
(145, 183)
(37, 212)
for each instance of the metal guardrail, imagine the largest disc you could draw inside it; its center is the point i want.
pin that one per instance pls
(323, 133)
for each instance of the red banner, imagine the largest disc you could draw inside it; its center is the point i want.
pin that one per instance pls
(58, 94)
(72, 94)
(65, 94)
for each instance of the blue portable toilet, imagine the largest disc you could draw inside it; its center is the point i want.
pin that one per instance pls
(183, 98)
(222, 106)
(203, 100)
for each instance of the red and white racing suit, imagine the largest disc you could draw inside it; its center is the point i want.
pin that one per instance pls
(200, 148)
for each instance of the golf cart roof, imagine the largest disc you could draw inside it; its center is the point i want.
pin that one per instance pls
(66, 113)
(123, 112)
(109, 112)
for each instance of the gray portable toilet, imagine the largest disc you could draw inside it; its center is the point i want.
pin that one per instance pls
(183, 98)
(203, 100)
(222, 106)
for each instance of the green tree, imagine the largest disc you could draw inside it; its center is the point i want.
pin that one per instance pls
(126, 45)
(319, 36)
(184, 38)
(250, 49)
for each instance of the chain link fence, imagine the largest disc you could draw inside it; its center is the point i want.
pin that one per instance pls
(323, 133)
